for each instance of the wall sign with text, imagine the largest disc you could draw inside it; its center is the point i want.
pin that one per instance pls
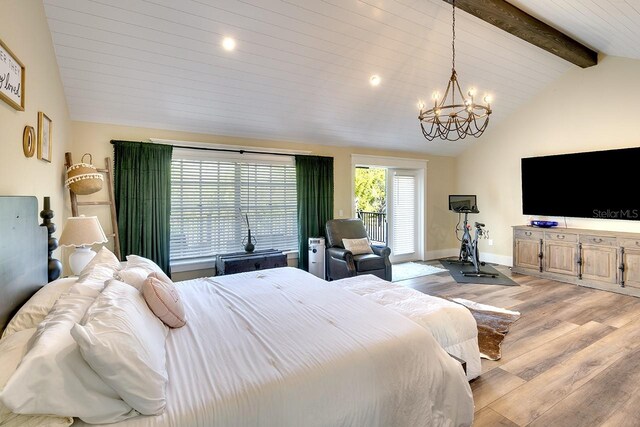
(11, 78)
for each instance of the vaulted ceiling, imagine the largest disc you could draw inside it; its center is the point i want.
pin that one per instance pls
(301, 68)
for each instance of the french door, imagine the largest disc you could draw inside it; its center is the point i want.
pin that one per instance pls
(403, 211)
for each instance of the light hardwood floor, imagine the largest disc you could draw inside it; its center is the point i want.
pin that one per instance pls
(572, 359)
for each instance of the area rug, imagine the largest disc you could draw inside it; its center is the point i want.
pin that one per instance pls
(493, 325)
(457, 270)
(409, 270)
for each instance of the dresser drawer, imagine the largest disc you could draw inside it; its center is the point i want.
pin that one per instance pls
(629, 243)
(587, 239)
(560, 236)
(528, 234)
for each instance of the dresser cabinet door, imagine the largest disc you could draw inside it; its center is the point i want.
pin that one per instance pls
(631, 261)
(561, 258)
(599, 263)
(526, 253)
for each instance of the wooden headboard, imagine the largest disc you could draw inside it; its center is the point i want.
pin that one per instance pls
(23, 254)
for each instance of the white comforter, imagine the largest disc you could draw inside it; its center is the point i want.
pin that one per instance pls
(451, 324)
(283, 348)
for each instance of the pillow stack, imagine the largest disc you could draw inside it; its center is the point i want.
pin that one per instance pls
(124, 342)
(53, 378)
(39, 305)
(99, 353)
(12, 350)
(158, 289)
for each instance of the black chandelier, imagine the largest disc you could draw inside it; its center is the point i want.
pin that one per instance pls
(453, 116)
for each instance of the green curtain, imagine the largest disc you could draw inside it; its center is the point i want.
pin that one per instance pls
(143, 199)
(314, 182)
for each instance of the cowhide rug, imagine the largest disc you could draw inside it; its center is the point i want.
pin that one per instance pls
(493, 325)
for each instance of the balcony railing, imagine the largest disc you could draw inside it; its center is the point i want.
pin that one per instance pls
(376, 225)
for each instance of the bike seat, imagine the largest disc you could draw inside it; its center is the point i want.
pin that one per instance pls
(479, 224)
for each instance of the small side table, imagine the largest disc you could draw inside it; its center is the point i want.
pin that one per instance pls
(240, 262)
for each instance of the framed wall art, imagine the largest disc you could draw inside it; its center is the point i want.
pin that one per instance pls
(45, 137)
(11, 78)
(29, 141)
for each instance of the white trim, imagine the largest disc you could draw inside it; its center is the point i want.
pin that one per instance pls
(393, 162)
(193, 265)
(187, 154)
(209, 263)
(496, 259)
(441, 253)
(398, 163)
(199, 144)
(485, 257)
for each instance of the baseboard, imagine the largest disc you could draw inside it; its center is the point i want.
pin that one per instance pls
(496, 259)
(441, 253)
(486, 257)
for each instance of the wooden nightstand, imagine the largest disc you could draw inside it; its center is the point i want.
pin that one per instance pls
(241, 262)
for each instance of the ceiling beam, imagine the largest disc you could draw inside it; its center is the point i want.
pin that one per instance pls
(519, 23)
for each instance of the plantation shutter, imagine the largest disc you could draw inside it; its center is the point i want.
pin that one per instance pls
(208, 191)
(404, 213)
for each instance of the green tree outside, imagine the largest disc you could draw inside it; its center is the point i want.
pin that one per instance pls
(371, 190)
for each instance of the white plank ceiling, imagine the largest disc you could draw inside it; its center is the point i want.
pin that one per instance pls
(608, 26)
(301, 68)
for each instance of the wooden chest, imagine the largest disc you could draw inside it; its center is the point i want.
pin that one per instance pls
(240, 262)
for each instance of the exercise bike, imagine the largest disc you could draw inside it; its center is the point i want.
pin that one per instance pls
(469, 253)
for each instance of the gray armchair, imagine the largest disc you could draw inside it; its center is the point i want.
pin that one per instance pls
(342, 263)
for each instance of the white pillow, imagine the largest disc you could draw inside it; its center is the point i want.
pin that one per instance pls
(124, 342)
(138, 269)
(12, 350)
(35, 310)
(102, 268)
(134, 276)
(358, 246)
(138, 261)
(53, 378)
(104, 258)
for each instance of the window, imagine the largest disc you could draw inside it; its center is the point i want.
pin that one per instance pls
(208, 191)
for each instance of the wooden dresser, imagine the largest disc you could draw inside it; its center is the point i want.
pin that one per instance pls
(241, 262)
(607, 260)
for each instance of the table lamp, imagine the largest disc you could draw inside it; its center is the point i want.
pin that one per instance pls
(81, 232)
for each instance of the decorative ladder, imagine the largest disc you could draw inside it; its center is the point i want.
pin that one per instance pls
(108, 174)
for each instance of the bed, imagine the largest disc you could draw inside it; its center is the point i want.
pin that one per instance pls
(283, 348)
(451, 324)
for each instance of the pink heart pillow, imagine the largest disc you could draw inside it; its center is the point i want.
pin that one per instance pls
(163, 299)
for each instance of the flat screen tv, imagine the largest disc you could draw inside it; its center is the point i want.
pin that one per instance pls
(598, 184)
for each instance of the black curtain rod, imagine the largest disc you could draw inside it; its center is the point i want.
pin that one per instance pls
(228, 150)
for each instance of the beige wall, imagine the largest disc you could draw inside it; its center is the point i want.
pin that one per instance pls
(585, 110)
(94, 138)
(23, 28)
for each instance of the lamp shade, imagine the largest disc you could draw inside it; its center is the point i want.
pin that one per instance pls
(82, 231)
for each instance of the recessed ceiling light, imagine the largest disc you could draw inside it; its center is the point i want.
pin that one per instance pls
(374, 80)
(228, 43)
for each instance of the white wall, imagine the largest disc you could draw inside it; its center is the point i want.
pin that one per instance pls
(586, 110)
(24, 29)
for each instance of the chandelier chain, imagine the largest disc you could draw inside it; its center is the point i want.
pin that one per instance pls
(453, 39)
(450, 119)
